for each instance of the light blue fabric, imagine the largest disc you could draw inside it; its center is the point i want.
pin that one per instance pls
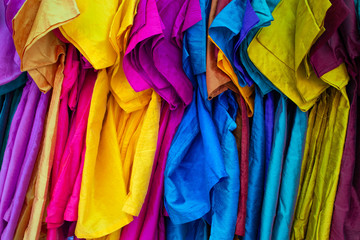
(225, 28)
(256, 169)
(202, 169)
(284, 171)
(225, 195)
(263, 10)
(272, 185)
(290, 177)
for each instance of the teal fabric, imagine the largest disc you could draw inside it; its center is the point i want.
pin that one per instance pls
(290, 177)
(10, 94)
(284, 171)
(272, 182)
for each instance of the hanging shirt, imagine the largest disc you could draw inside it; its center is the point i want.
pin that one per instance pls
(283, 175)
(342, 45)
(44, 58)
(256, 169)
(198, 131)
(273, 176)
(279, 53)
(75, 98)
(20, 154)
(290, 177)
(161, 66)
(118, 164)
(324, 147)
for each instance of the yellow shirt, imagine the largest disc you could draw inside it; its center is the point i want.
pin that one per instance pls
(321, 166)
(280, 50)
(121, 143)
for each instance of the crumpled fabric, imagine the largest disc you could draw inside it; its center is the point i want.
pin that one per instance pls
(260, 14)
(41, 53)
(93, 42)
(162, 59)
(120, 146)
(222, 33)
(26, 130)
(10, 67)
(279, 52)
(70, 143)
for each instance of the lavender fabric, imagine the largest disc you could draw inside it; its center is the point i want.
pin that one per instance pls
(9, 59)
(20, 155)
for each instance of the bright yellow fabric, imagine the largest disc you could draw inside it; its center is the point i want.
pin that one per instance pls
(321, 166)
(119, 157)
(38, 48)
(90, 31)
(121, 143)
(280, 50)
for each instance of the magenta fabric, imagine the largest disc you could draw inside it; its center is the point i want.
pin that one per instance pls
(154, 59)
(20, 155)
(75, 102)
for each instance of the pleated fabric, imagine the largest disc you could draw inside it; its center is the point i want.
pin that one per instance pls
(321, 166)
(70, 144)
(256, 169)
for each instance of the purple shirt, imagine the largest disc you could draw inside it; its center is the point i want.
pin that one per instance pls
(153, 59)
(20, 155)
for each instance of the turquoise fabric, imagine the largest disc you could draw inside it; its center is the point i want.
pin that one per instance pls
(272, 182)
(290, 177)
